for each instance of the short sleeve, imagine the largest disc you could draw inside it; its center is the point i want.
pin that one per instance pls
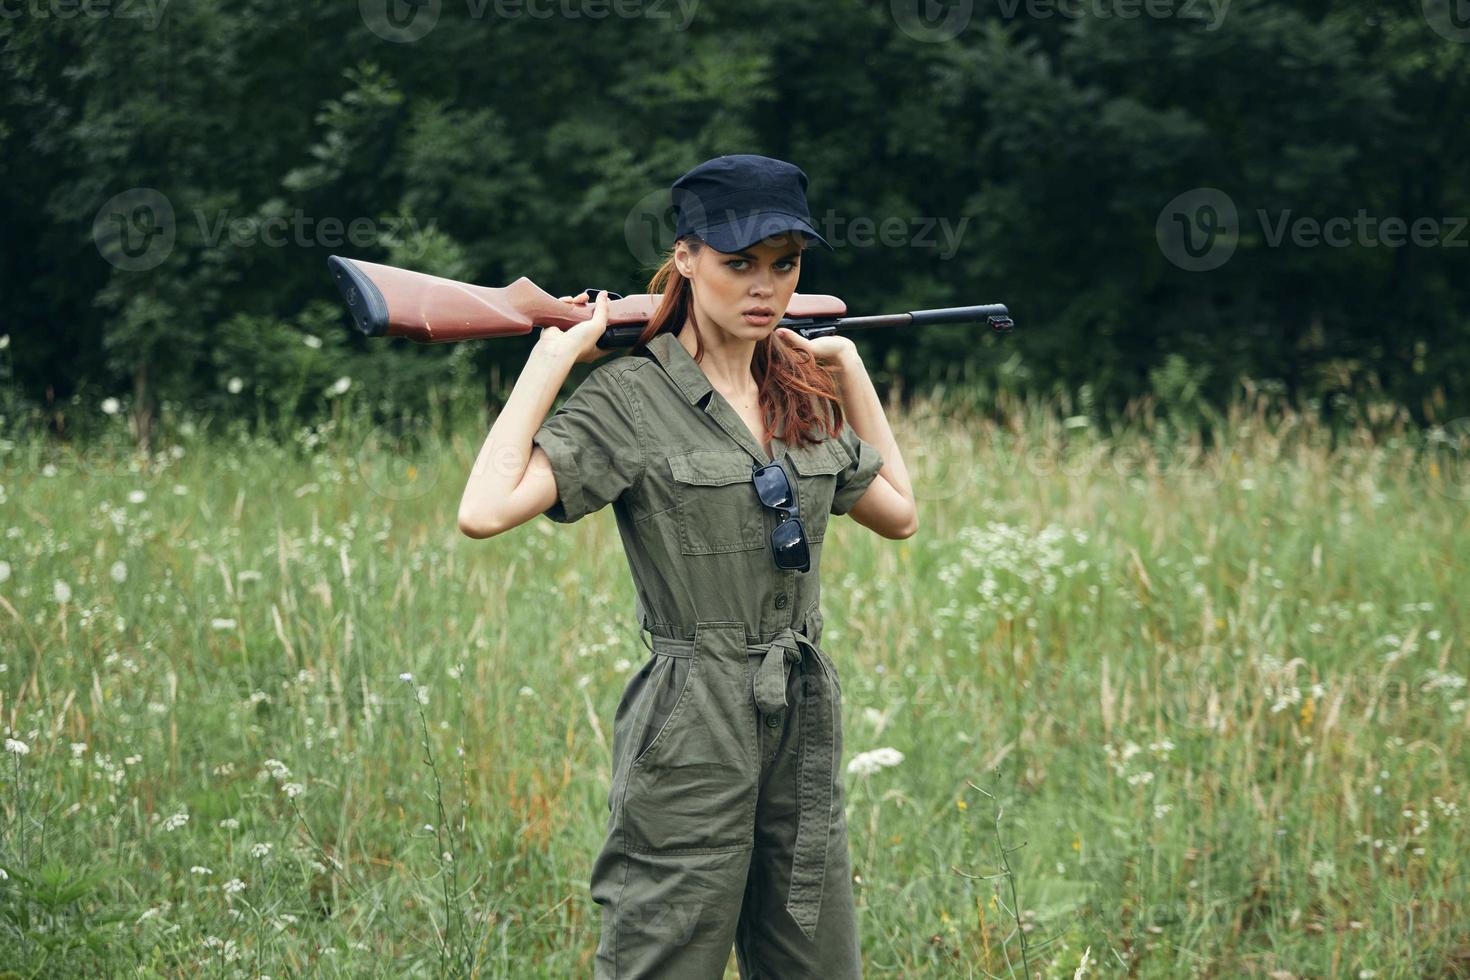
(863, 466)
(593, 443)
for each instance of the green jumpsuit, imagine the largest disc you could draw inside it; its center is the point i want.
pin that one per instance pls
(727, 821)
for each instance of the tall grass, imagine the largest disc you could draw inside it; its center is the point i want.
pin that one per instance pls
(1176, 707)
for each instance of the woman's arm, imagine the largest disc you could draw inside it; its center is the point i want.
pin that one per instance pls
(512, 481)
(887, 507)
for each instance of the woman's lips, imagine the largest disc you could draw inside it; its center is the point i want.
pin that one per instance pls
(758, 319)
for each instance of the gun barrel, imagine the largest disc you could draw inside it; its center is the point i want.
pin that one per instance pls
(996, 314)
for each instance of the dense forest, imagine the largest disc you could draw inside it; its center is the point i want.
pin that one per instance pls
(1170, 196)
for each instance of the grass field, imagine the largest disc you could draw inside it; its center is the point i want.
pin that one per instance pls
(269, 714)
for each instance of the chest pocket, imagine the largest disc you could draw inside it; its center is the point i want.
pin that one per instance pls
(816, 468)
(715, 503)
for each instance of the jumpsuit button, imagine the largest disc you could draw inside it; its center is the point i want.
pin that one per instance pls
(780, 600)
(773, 721)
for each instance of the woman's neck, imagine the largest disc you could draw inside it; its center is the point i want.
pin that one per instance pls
(726, 363)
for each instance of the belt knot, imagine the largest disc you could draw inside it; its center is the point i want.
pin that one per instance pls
(770, 676)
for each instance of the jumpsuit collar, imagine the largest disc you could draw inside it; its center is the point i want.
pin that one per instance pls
(695, 386)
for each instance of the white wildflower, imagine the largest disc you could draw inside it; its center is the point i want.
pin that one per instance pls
(230, 823)
(137, 496)
(61, 591)
(4, 571)
(233, 886)
(176, 821)
(16, 746)
(234, 385)
(406, 677)
(311, 340)
(866, 763)
(119, 572)
(260, 850)
(110, 406)
(200, 869)
(339, 386)
(222, 624)
(293, 790)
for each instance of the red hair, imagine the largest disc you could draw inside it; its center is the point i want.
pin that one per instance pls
(793, 389)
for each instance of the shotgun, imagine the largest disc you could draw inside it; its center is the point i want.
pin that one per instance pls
(386, 301)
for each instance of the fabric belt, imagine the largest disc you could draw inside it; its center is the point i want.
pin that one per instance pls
(815, 772)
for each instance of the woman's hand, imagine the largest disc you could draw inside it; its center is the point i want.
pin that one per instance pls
(831, 352)
(580, 341)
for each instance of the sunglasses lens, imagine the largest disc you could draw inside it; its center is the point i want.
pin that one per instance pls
(788, 541)
(773, 487)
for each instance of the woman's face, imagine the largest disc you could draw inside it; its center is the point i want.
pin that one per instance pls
(730, 287)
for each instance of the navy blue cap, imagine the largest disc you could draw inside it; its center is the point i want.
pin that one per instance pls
(734, 201)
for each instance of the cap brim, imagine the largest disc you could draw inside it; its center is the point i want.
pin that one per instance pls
(741, 233)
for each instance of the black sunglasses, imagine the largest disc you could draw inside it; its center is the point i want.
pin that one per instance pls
(788, 540)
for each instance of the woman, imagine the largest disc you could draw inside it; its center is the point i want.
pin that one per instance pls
(723, 450)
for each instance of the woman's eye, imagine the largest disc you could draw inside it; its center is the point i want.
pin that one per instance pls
(788, 263)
